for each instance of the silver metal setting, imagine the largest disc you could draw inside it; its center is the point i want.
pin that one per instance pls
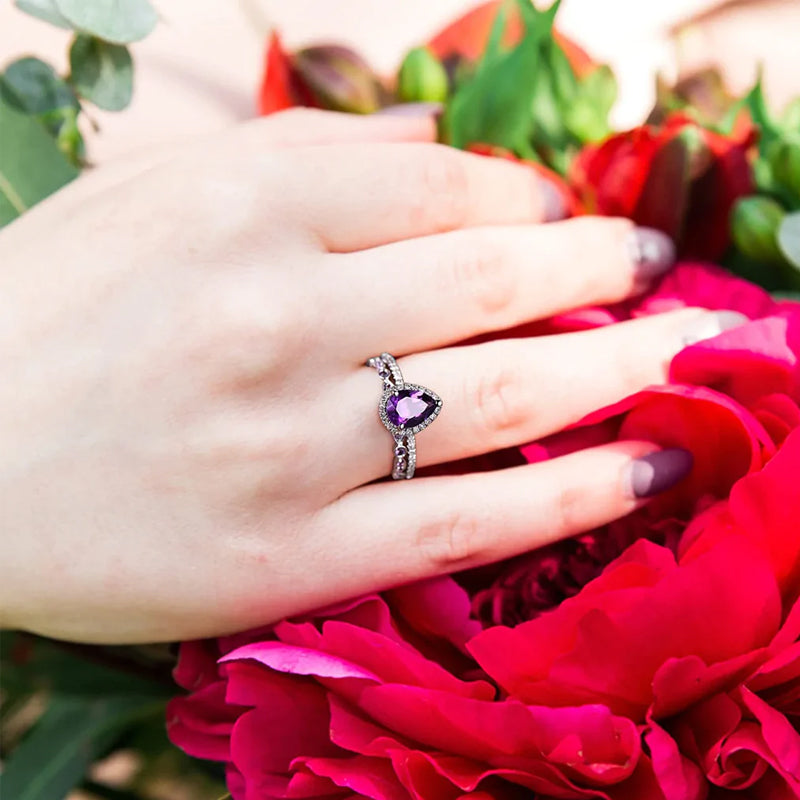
(405, 445)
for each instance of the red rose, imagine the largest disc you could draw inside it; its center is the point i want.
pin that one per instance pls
(678, 177)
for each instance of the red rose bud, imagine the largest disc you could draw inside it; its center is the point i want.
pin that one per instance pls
(678, 177)
(754, 227)
(280, 87)
(422, 78)
(338, 79)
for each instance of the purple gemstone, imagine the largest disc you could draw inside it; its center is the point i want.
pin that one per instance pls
(410, 407)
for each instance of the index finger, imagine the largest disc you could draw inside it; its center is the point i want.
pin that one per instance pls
(356, 196)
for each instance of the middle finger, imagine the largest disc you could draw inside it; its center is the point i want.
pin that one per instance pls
(425, 293)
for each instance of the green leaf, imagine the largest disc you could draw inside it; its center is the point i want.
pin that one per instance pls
(102, 72)
(793, 296)
(118, 21)
(495, 106)
(31, 165)
(789, 238)
(46, 10)
(31, 85)
(790, 119)
(47, 666)
(70, 735)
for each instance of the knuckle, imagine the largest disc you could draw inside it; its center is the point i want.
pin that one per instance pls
(242, 332)
(569, 511)
(499, 403)
(450, 542)
(442, 188)
(483, 273)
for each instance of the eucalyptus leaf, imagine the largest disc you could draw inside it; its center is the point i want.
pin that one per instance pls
(102, 72)
(31, 165)
(117, 21)
(31, 85)
(789, 238)
(46, 10)
(69, 736)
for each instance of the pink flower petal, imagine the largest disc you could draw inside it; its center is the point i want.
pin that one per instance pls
(299, 661)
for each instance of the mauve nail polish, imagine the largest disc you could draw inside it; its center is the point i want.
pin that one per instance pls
(553, 206)
(433, 110)
(656, 472)
(653, 254)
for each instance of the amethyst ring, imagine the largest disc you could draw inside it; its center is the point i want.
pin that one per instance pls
(405, 409)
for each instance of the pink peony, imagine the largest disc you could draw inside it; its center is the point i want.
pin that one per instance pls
(658, 657)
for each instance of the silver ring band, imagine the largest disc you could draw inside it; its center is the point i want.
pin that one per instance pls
(404, 409)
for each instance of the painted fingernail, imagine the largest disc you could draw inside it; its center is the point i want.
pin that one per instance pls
(553, 206)
(413, 110)
(655, 473)
(653, 253)
(712, 324)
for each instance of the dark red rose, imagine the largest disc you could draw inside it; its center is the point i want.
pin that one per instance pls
(678, 177)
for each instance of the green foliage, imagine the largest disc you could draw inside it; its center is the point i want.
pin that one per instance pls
(754, 228)
(102, 72)
(31, 164)
(32, 86)
(70, 735)
(422, 78)
(528, 98)
(90, 710)
(117, 21)
(494, 105)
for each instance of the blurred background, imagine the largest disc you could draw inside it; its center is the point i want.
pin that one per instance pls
(199, 70)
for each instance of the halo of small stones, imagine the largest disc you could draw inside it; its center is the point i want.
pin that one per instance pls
(405, 448)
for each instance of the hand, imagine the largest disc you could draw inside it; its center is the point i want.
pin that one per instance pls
(189, 434)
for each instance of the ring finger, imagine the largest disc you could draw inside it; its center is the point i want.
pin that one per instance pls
(510, 391)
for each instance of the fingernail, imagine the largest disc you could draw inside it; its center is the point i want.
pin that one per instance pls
(712, 324)
(553, 206)
(433, 110)
(657, 472)
(653, 253)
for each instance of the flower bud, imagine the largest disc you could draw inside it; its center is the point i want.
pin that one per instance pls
(754, 225)
(338, 79)
(423, 78)
(784, 159)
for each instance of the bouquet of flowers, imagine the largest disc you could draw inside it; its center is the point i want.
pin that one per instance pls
(658, 657)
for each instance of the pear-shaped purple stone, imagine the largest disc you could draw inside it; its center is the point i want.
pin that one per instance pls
(410, 407)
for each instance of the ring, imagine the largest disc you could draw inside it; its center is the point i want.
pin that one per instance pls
(405, 409)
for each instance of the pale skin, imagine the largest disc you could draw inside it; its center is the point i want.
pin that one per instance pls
(191, 438)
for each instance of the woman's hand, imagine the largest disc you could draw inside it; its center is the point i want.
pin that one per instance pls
(189, 434)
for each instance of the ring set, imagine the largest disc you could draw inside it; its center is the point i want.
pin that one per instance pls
(405, 409)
